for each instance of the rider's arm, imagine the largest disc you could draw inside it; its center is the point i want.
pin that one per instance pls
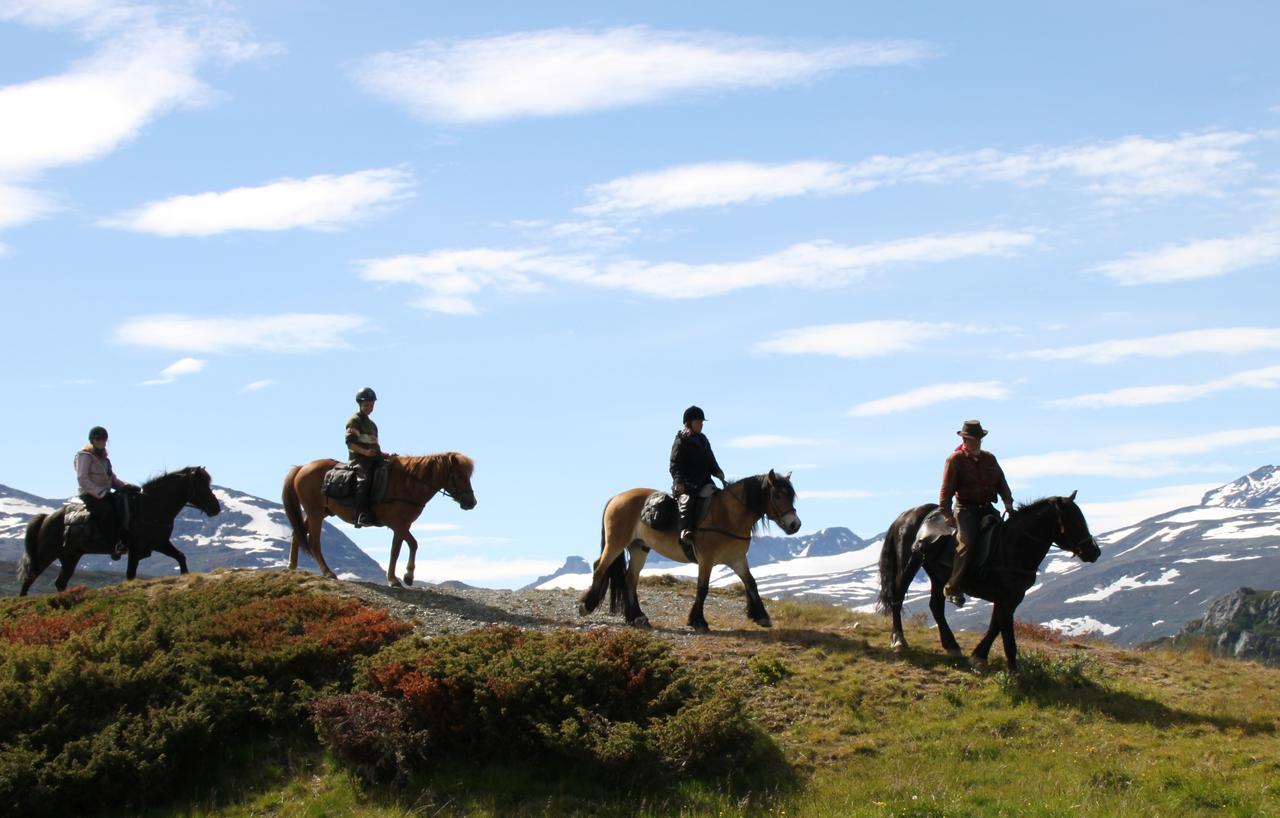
(948, 486)
(84, 477)
(1005, 495)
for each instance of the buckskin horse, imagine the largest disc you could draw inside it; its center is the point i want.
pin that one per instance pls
(153, 511)
(1018, 546)
(722, 538)
(411, 483)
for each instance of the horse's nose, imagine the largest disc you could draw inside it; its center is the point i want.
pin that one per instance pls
(794, 524)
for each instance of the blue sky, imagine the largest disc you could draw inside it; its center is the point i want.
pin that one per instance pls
(542, 230)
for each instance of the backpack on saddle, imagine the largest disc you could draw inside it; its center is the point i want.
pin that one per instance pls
(341, 482)
(936, 539)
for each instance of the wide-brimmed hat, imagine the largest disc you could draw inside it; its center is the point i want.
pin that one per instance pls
(972, 428)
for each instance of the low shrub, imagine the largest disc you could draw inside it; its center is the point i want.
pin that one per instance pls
(1038, 673)
(770, 667)
(109, 697)
(615, 701)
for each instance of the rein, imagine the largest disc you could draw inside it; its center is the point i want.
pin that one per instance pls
(721, 531)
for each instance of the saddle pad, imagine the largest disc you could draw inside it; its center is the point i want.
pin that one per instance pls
(76, 513)
(939, 538)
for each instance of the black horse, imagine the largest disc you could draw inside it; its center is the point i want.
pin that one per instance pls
(1018, 546)
(152, 510)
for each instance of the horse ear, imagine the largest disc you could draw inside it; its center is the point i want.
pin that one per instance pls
(1072, 498)
(786, 476)
(771, 475)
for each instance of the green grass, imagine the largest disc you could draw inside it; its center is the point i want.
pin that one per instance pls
(1085, 730)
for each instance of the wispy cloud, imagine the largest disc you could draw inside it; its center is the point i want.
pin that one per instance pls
(1152, 458)
(930, 395)
(865, 339)
(483, 571)
(1264, 378)
(772, 441)
(1185, 261)
(1230, 341)
(255, 386)
(323, 202)
(569, 71)
(452, 278)
(19, 205)
(1129, 167)
(287, 332)
(1109, 515)
(180, 367)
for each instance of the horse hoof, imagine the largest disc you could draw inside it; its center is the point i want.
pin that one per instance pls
(955, 653)
(392, 582)
(408, 578)
(582, 609)
(701, 628)
(641, 622)
(897, 644)
(765, 622)
(978, 664)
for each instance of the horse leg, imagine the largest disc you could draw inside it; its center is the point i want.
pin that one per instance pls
(1006, 634)
(396, 539)
(697, 619)
(410, 566)
(978, 659)
(314, 525)
(170, 550)
(68, 568)
(901, 584)
(634, 616)
(131, 570)
(755, 605)
(938, 607)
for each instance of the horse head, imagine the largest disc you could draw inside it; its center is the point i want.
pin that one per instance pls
(780, 505)
(1073, 531)
(198, 488)
(458, 482)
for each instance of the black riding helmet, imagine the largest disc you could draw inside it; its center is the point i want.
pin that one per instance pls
(97, 433)
(366, 394)
(693, 413)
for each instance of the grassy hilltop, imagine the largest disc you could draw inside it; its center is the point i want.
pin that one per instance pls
(200, 696)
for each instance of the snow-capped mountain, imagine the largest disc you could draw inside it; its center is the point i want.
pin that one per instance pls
(249, 533)
(1152, 576)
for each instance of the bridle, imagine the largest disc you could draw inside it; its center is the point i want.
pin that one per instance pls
(770, 511)
(1073, 548)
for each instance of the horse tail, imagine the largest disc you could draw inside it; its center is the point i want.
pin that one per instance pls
(889, 568)
(617, 576)
(293, 508)
(31, 548)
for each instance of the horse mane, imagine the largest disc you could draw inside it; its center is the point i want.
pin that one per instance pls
(754, 494)
(432, 468)
(155, 481)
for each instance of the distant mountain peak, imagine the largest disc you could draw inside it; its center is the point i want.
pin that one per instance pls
(1257, 489)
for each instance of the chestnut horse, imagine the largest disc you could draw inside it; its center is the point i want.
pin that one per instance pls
(722, 539)
(411, 483)
(1018, 546)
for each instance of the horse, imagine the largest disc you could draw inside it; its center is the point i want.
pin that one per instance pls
(1018, 546)
(722, 539)
(411, 483)
(153, 510)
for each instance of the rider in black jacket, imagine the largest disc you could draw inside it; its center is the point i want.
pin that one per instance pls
(693, 464)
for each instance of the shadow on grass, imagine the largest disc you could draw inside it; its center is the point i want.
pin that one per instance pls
(432, 599)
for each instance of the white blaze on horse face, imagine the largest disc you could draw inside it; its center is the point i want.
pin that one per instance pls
(791, 523)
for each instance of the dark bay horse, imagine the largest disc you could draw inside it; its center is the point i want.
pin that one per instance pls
(1017, 548)
(722, 539)
(154, 509)
(411, 483)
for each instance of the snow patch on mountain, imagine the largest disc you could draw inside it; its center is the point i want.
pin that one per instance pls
(1127, 584)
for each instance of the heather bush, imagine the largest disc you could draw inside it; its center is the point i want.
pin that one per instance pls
(108, 698)
(617, 701)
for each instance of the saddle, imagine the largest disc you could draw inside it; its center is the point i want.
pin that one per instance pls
(79, 527)
(661, 514)
(938, 540)
(340, 483)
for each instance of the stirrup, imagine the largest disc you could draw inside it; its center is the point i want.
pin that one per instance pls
(364, 520)
(687, 545)
(956, 599)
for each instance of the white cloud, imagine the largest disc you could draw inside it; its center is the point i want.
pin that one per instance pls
(865, 339)
(929, 395)
(833, 494)
(451, 278)
(1110, 515)
(19, 205)
(1152, 458)
(255, 386)
(1195, 259)
(1128, 167)
(287, 332)
(1231, 340)
(323, 202)
(180, 367)
(1264, 378)
(772, 441)
(568, 71)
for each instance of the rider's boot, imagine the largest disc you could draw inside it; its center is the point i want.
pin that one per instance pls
(961, 563)
(686, 504)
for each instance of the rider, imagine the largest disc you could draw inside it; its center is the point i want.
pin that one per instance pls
(103, 493)
(365, 453)
(693, 464)
(974, 477)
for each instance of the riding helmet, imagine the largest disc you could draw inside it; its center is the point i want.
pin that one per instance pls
(366, 394)
(97, 432)
(693, 413)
